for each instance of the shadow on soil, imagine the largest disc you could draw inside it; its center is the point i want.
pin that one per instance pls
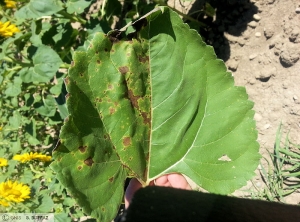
(232, 17)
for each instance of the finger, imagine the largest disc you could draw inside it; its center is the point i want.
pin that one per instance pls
(133, 186)
(178, 181)
(162, 181)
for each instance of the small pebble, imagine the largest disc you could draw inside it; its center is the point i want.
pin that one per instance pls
(256, 17)
(267, 126)
(258, 34)
(297, 10)
(252, 24)
(257, 117)
(269, 32)
(252, 56)
(289, 56)
(295, 97)
(232, 65)
(295, 35)
(252, 81)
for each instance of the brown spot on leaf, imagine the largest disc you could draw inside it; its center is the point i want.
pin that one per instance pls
(147, 157)
(147, 120)
(103, 209)
(82, 149)
(106, 50)
(67, 96)
(111, 110)
(130, 158)
(67, 119)
(143, 59)
(67, 80)
(127, 141)
(110, 86)
(123, 69)
(79, 167)
(113, 39)
(111, 179)
(81, 74)
(133, 99)
(89, 161)
(98, 61)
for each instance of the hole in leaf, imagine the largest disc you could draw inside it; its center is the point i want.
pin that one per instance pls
(225, 158)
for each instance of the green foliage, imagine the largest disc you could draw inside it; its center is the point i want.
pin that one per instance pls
(34, 59)
(282, 176)
(154, 102)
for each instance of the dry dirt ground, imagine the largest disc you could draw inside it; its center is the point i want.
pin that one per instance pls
(259, 40)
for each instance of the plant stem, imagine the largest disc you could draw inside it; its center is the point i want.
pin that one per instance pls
(102, 8)
(73, 18)
(33, 170)
(187, 17)
(64, 66)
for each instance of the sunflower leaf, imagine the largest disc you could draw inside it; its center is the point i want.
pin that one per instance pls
(149, 105)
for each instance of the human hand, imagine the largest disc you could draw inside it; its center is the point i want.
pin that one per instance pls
(174, 180)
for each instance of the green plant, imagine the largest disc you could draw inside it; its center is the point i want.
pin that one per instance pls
(282, 176)
(147, 102)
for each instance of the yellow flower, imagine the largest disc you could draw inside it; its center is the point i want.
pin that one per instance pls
(4, 203)
(13, 192)
(3, 162)
(7, 30)
(10, 4)
(32, 156)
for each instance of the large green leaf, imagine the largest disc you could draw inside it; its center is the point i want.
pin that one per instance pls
(142, 107)
(46, 63)
(38, 8)
(77, 6)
